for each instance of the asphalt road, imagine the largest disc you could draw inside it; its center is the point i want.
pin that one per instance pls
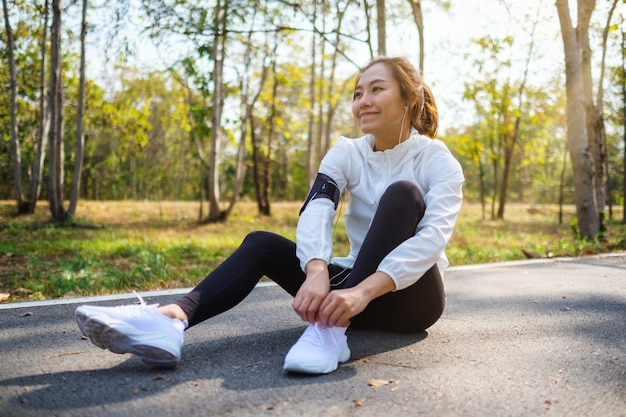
(533, 338)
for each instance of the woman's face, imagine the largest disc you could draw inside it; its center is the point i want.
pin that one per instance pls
(378, 105)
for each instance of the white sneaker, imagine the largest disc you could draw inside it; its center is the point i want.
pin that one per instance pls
(318, 351)
(138, 329)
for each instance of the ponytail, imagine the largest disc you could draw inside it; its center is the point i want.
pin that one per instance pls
(427, 118)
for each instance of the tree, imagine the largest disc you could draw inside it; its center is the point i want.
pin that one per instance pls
(44, 118)
(381, 25)
(15, 141)
(577, 134)
(247, 102)
(311, 167)
(511, 136)
(418, 17)
(623, 85)
(491, 97)
(596, 117)
(80, 134)
(261, 159)
(55, 169)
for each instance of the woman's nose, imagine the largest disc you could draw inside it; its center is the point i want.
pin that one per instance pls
(364, 100)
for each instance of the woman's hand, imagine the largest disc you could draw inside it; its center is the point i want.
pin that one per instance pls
(340, 306)
(313, 291)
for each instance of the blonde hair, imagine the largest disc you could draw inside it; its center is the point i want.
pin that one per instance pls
(423, 109)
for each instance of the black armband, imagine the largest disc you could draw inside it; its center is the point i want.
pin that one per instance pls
(323, 187)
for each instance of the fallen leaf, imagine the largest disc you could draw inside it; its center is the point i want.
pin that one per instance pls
(394, 389)
(194, 382)
(358, 403)
(160, 378)
(377, 383)
(27, 313)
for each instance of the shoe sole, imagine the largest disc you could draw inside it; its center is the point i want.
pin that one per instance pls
(318, 368)
(118, 338)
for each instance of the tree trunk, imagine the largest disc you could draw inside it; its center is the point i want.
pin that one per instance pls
(217, 55)
(562, 186)
(266, 177)
(246, 111)
(15, 140)
(311, 169)
(481, 170)
(510, 139)
(604, 196)
(381, 25)
(256, 176)
(577, 138)
(418, 17)
(624, 122)
(585, 8)
(43, 130)
(55, 169)
(496, 185)
(80, 134)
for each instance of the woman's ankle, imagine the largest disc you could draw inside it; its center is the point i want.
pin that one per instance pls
(173, 311)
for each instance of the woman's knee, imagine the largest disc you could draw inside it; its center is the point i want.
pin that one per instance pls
(263, 242)
(403, 195)
(261, 239)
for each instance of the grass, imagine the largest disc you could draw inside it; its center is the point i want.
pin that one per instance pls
(119, 246)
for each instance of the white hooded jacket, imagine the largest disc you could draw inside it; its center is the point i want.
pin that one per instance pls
(366, 174)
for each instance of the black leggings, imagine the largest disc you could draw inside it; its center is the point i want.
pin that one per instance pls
(412, 309)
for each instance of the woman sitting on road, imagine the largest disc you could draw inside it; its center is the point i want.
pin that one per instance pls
(405, 190)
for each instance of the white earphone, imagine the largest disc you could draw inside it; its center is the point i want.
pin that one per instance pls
(406, 108)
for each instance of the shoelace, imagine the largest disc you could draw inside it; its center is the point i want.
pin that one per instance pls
(141, 301)
(134, 310)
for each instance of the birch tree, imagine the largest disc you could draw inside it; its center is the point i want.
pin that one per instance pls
(577, 133)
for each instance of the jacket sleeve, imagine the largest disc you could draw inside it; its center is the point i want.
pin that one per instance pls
(314, 229)
(443, 196)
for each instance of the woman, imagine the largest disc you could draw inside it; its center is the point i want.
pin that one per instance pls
(405, 192)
